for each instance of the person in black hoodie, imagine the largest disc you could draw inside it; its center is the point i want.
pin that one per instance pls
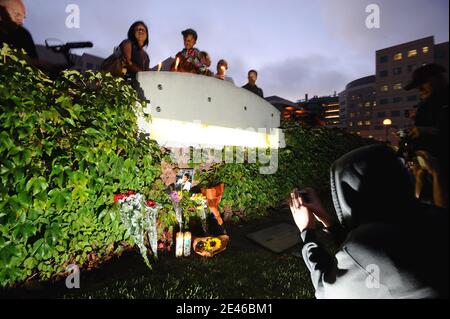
(430, 133)
(391, 245)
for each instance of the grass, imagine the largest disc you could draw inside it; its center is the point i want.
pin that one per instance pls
(241, 275)
(243, 271)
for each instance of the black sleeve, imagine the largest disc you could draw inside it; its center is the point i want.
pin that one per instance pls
(28, 43)
(317, 260)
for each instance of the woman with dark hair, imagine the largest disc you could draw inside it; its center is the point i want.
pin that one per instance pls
(135, 57)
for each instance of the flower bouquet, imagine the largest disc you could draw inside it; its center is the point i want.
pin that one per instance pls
(214, 196)
(139, 216)
(176, 199)
(210, 246)
(201, 203)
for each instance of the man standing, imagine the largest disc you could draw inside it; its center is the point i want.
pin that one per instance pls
(12, 15)
(251, 85)
(431, 128)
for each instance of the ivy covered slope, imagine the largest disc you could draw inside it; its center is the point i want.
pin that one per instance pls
(65, 148)
(305, 162)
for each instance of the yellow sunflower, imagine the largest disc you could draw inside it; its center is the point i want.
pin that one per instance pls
(213, 244)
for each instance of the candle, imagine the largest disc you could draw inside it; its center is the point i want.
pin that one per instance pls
(223, 68)
(159, 66)
(187, 244)
(177, 62)
(179, 244)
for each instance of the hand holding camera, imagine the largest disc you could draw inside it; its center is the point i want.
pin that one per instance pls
(307, 203)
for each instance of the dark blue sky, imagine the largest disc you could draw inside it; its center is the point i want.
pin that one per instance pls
(298, 46)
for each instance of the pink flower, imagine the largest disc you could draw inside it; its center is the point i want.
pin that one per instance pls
(175, 197)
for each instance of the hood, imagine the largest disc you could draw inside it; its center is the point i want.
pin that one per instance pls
(371, 184)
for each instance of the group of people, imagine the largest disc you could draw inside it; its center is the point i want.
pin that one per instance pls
(393, 241)
(189, 59)
(131, 50)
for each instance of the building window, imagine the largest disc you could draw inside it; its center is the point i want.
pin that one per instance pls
(398, 57)
(384, 73)
(360, 123)
(384, 88)
(368, 113)
(395, 113)
(374, 103)
(397, 71)
(397, 86)
(381, 115)
(425, 50)
(412, 98)
(412, 53)
(360, 105)
(350, 124)
(397, 99)
(368, 123)
(352, 115)
(384, 59)
(384, 101)
(368, 104)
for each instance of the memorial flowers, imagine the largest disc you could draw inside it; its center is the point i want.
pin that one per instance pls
(139, 216)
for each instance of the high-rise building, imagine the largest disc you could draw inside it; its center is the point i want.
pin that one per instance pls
(343, 109)
(360, 101)
(441, 55)
(394, 68)
(325, 109)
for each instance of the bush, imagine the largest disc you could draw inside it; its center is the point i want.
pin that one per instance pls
(66, 147)
(305, 162)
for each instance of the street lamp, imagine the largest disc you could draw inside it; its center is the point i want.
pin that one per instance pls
(387, 123)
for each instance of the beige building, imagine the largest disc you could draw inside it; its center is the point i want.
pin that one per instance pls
(394, 68)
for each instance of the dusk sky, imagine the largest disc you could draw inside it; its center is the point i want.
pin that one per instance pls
(297, 46)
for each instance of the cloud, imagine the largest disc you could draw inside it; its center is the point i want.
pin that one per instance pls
(401, 21)
(292, 78)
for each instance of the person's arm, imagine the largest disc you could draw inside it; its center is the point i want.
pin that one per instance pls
(317, 260)
(337, 278)
(127, 50)
(431, 165)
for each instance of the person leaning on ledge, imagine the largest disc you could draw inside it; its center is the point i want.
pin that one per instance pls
(251, 85)
(190, 59)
